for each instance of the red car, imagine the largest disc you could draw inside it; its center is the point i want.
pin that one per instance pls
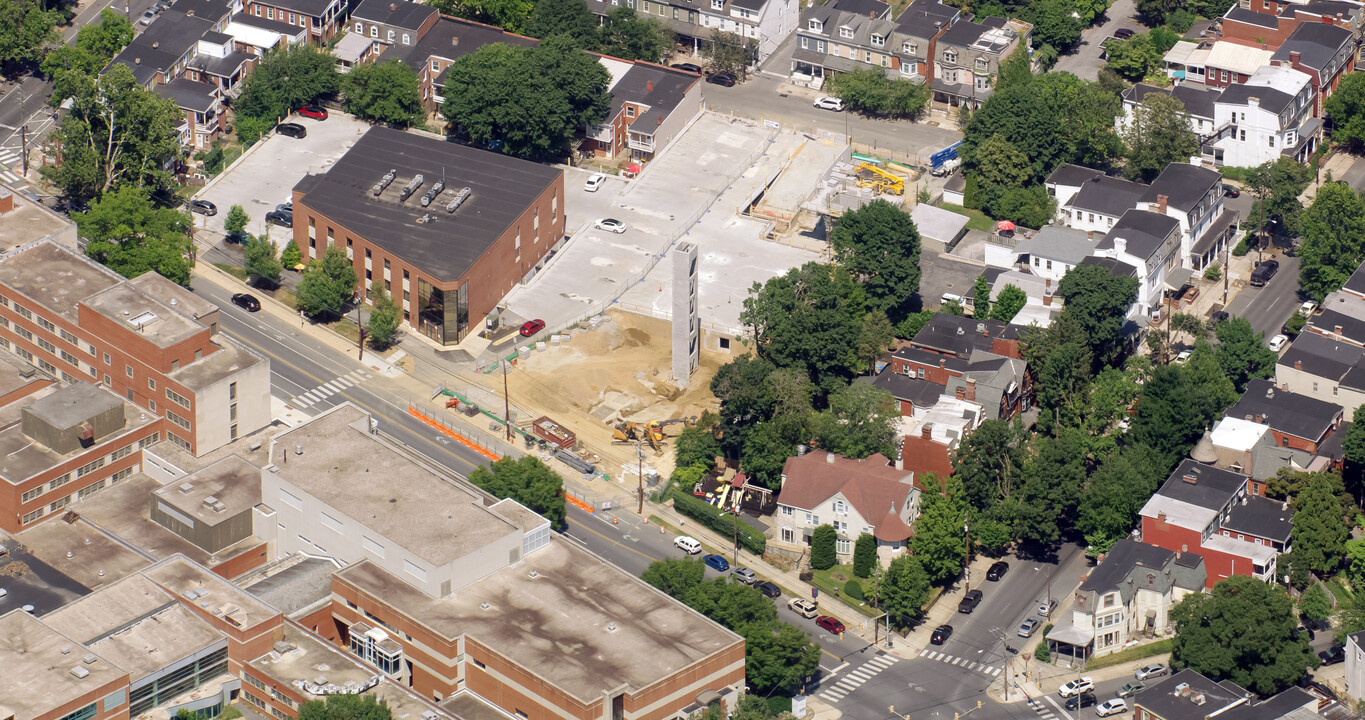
(531, 327)
(831, 624)
(313, 111)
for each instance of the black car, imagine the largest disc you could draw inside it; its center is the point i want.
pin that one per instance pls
(721, 78)
(1231, 191)
(1084, 700)
(1219, 317)
(203, 207)
(246, 301)
(997, 571)
(769, 589)
(293, 130)
(1123, 34)
(1333, 655)
(1263, 272)
(280, 217)
(941, 634)
(970, 601)
(688, 67)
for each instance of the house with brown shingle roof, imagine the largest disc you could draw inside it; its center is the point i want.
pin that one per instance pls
(855, 496)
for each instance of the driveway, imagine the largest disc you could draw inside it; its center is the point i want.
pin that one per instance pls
(1084, 62)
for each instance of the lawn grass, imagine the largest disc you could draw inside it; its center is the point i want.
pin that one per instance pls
(1160, 647)
(1339, 591)
(831, 582)
(976, 220)
(233, 270)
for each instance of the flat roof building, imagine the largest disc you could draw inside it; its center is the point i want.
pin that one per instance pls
(49, 675)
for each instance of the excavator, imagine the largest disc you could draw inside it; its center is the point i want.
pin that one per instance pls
(650, 433)
(870, 175)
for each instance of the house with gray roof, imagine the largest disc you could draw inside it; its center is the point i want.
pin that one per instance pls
(1128, 596)
(1269, 116)
(968, 56)
(1187, 695)
(1148, 241)
(650, 105)
(766, 22)
(385, 23)
(1295, 420)
(1055, 249)
(1099, 203)
(1324, 51)
(1193, 196)
(1325, 368)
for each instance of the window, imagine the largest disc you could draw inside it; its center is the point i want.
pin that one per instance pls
(1271, 140)
(120, 453)
(31, 494)
(44, 344)
(630, 111)
(58, 482)
(910, 48)
(407, 39)
(47, 325)
(177, 398)
(150, 439)
(805, 42)
(878, 41)
(270, 13)
(982, 64)
(843, 547)
(845, 32)
(360, 28)
(374, 31)
(391, 34)
(291, 18)
(151, 384)
(128, 370)
(182, 422)
(90, 467)
(435, 66)
(788, 510)
(840, 507)
(717, 4)
(950, 56)
(30, 517)
(414, 570)
(815, 25)
(788, 535)
(23, 311)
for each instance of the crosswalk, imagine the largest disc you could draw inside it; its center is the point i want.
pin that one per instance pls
(964, 663)
(320, 393)
(9, 158)
(854, 679)
(1044, 712)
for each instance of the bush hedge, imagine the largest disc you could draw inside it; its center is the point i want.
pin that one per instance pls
(854, 589)
(710, 516)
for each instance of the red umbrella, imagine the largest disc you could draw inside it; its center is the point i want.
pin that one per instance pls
(1004, 225)
(633, 168)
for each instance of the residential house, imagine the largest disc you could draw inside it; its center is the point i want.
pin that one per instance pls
(1127, 597)
(435, 50)
(918, 30)
(1099, 203)
(385, 23)
(1355, 666)
(962, 337)
(939, 229)
(855, 496)
(929, 439)
(1197, 99)
(1269, 116)
(1298, 421)
(1324, 368)
(1223, 516)
(319, 19)
(831, 40)
(968, 56)
(650, 105)
(1342, 312)
(1149, 242)
(1324, 52)
(919, 377)
(1187, 60)
(1229, 63)
(1067, 180)
(1187, 695)
(1248, 447)
(1270, 24)
(1041, 304)
(1055, 250)
(765, 22)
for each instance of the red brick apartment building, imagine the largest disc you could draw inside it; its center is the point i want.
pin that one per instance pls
(448, 229)
(146, 339)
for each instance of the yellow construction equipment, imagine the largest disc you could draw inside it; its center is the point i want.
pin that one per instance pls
(649, 434)
(870, 175)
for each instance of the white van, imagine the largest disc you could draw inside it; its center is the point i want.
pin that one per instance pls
(951, 298)
(687, 544)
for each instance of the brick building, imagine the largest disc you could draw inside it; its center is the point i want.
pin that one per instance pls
(448, 229)
(147, 339)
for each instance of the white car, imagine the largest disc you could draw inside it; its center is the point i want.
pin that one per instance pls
(803, 607)
(610, 225)
(1111, 707)
(594, 182)
(830, 103)
(1183, 357)
(1308, 307)
(1076, 687)
(1278, 342)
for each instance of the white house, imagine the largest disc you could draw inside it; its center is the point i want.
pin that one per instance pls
(1193, 196)
(855, 496)
(768, 22)
(1150, 242)
(1265, 118)
(1054, 250)
(1355, 666)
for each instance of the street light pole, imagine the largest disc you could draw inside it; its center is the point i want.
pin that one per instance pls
(967, 558)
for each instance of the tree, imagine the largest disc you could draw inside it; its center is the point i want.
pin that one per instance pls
(732, 604)
(938, 541)
(862, 419)
(27, 27)
(1244, 632)
(675, 577)
(96, 44)
(346, 707)
(1028, 207)
(875, 338)
(731, 52)
(1277, 186)
(779, 658)
(904, 591)
(1025, 118)
(1001, 165)
(532, 99)
(286, 79)
(382, 327)
(741, 386)
(1353, 450)
(1008, 303)
(1333, 229)
(1114, 494)
(262, 259)
(290, 257)
(1015, 70)
(131, 236)
(1355, 563)
(1055, 24)
(1346, 107)
(822, 553)
(510, 15)
(766, 450)
(385, 93)
(632, 37)
(328, 285)
(116, 132)
(235, 221)
(808, 319)
(1097, 302)
(1135, 58)
(1179, 402)
(864, 555)
(1052, 480)
(1157, 135)
(988, 462)
(526, 480)
(1242, 352)
(1320, 531)
(1314, 603)
(880, 246)
(981, 297)
(871, 92)
(911, 324)
(555, 17)
(698, 444)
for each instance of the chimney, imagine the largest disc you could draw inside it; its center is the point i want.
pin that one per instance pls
(981, 328)
(926, 431)
(829, 458)
(1190, 478)
(1047, 282)
(455, 40)
(1254, 102)
(1260, 419)
(1293, 57)
(649, 86)
(960, 393)
(1090, 235)
(137, 61)
(1161, 517)
(942, 363)
(971, 389)
(155, 44)
(1161, 201)
(1047, 300)
(190, 12)
(658, 119)
(393, 7)
(1270, 392)
(1337, 329)
(1298, 364)
(1120, 245)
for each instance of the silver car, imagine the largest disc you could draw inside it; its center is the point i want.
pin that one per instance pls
(745, 575)
(1028, 627)
(1147, 672)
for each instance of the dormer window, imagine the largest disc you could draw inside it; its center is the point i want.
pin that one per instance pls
(845, 32)
(717, 4)
(982, 64)
(950, 56)
(910, 48)
(878, 40)
(816, 25)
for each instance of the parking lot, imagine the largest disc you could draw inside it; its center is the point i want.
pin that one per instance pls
(267, 176)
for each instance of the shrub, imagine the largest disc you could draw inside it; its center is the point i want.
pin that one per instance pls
(1213, 273)
(823, 555)
(853, 589)
(721, 522)
(1042, 653)
(1243, 247)
(864, 555)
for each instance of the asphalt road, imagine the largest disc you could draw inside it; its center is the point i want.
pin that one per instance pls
(1266, 308)
(1084, 62)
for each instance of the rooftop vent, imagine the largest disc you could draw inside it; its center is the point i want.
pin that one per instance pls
(89, 658)
(210, 501)
(411, 187)
(533, 573)
(484, 605)
(1183, 689)
(69, 554)
(80, 672)
(1270, 392)
(1198, 699)
(298, 448)
(611, 626)
(1190, 478)
(66, 649)
(433, 192)
(186, 488)
(383, 182)
(142, 319)
(459, 199)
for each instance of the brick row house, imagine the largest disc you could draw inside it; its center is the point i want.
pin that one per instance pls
(765, 23)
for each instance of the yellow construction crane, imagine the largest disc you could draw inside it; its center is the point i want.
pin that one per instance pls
(870, 175)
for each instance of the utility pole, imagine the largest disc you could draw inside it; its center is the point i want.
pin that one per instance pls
(735, 517)
(360, 339)
(23, 134)
(506, 403)
(967, 558)
(640, 465)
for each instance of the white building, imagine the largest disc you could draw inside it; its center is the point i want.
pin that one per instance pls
(1150, 242)
(1054, 250)
(1267, 117)
(767, 22)
(855, 496)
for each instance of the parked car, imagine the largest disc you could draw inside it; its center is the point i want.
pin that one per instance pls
(147, 17)
(1111, 707)
(1046, 607)
(1263, 272)
(803, 607)
(293, 130)
(1131, 689)
(1183, 357)
(610, 225)
(941, 634)
(717, 563)
(1154, 670)
(1308, 308)
(1076, 687)
(1231, 191)
(286, 206)
(248, 302)
(768, 588)
(969, 601)
(1333, 655)
(1278, 342)
(1123, 33)
(745, 575)
(595, 182)
(203, 207)
(831, 624)
(313, 111)
(997, 571)
(829, 103)
(531, 327)
(280, 217)
(1028, 627)
(688, 67)
(721, 78)
(1219, 317)
(687, 544)
(1083, 700)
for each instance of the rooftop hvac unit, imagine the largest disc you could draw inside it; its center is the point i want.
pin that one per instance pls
(433, 192)
(383, 183)
(80, 672)
(459, 199)
(411, 187)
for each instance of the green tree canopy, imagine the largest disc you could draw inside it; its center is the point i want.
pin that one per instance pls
(262, 259)
(526, 480)
(864, 555)
(634, 37)
(1353, 448)
(1114, 494)
(1157, 135)
(808, 319)
(1179, 402)
(880, 246)
(1097, 303)
(989, 461)
(1320, 531)
(676, 577)
(556, 17)
(981, 297)
(871, 92)
(1055, 23)
(1314, 603)
(1242, 352)
(938, 541)
(1008, 303)
(1243, 631)
(862, 419)
(730, 603)
(235, 221)
(1002, 165)
(731, 52)
(382, 326)
(1137, 57)
(698, 444)
(384, 92)
(96, 44)
(779, 658)
(290, 257)
(346, 707)
(27, 28)
(510, 15)
(1333, 229)
(132, 236)
(1277, 186)
(904, 591)
(327, 285)
(285, 79)
(822, 552)
(1346, 107)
